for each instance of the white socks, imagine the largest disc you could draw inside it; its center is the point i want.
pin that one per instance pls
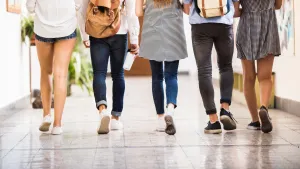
(170, 109)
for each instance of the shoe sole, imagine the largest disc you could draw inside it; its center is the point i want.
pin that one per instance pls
(170, 126)
(56, 133)
(160, 130)
(45, 127)
(104, 125)
(228, 123)
(217, 131)
(266, 124)
(253, 128)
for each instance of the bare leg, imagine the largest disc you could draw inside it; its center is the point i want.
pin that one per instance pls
(45, 55)
(249, 77)
(264, 70)
(62, 55)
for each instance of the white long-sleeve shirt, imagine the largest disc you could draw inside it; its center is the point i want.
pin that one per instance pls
(53, 18)
(129, 20)
(57, 18)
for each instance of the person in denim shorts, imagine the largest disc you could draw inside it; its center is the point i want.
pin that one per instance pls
(55, 32)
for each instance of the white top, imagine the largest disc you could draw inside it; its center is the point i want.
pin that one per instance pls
(129, 21)
(53, 18)
(57, 18)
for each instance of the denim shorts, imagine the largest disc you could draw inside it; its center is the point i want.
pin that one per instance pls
(52, 40)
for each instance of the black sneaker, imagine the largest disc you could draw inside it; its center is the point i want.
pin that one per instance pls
(227, 120)
(214, 128)
(254, 126)
(266, 124)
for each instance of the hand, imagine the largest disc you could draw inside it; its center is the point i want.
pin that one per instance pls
(134, 49)
(86, 44)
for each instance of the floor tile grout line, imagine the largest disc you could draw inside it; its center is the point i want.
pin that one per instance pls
(33, 158)
(146, 147)
(15, 145)
(186, 154)
(124, 142)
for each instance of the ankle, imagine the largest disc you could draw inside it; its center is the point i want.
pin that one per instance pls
(160, 115)
(115, 117)
(213, 118)
(225, 106)
(57, 124)
(46, 114)
(171, 107)
(264, 107)
(101, 108)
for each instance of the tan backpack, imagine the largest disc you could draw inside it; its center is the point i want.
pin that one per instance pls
(212, 8)
(103, 23)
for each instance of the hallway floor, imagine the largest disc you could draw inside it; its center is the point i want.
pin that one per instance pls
(138, 146)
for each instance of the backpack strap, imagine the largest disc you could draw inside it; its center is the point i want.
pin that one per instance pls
(221, 7)
(203, 8)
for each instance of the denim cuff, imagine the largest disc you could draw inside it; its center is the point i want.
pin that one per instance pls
(226, 101)
(102, 102)
(175, 105)
(213, 111)
(116, 114)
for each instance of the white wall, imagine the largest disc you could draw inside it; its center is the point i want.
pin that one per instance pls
(14, 61)
(287, 67)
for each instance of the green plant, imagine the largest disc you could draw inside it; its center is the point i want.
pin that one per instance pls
(80, 68)
(27, 26)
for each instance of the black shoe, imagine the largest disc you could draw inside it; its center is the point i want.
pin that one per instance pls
(214, 128)
(266, 124)
(254, 126)
(227, 120)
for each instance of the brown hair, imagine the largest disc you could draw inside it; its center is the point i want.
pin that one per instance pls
(162, 3)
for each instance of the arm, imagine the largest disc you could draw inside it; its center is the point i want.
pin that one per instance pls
(187, 6)
(139, 11)
(30, 4)
(81, 7)
(278, 4)
(133, 25)
(237, 9)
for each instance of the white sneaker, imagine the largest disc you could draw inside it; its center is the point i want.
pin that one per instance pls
(104, 122)
(57, 131)
(44, 127)
(116, 125)
(161, 124)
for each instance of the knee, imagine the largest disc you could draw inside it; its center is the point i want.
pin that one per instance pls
(60, 73)
(117, 75)
(46, 71)
(249, 78)
(157, 77)
(204, 72)
(171, 76)
(264, 76)
(225, 68)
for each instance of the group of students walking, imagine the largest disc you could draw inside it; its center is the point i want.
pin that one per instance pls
(164, 44)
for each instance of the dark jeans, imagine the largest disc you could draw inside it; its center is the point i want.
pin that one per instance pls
(204, 36)
(115, 48)
(169, 72)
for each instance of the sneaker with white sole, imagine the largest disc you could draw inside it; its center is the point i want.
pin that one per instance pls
(57, 131)
(161, 124)
(116, 125)
(44, 127)
(104, 122)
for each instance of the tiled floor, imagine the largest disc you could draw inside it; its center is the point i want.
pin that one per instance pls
(138, 146)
